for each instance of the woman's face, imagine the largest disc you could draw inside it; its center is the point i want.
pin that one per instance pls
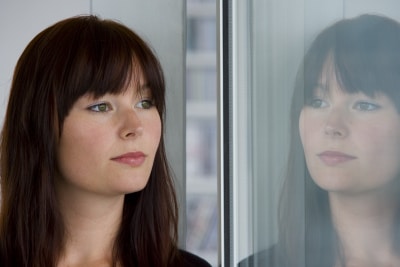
(108, 144)
(351, 141)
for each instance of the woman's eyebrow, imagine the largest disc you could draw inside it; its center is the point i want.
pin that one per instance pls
(321, 86)
(144, 89)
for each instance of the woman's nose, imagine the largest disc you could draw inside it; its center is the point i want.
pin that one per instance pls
(336, 124)
(131, 124)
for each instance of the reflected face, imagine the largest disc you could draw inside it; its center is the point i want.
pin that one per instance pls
(351, 141)
(108, 144)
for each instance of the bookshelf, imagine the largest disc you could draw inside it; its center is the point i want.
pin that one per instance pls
(201, 133)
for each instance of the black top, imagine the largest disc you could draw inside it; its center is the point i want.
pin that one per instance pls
(191, 260)
(186, 259)
(264, 258)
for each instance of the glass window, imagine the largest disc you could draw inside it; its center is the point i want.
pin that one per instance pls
(201, 130)
(270, 174)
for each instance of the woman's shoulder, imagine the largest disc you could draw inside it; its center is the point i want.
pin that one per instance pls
(191, 260)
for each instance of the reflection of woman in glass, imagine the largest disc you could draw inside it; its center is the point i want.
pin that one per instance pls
(84, 176)
(340, 203)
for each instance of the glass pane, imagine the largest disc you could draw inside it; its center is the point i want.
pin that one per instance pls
(283, 209)
(201, 130)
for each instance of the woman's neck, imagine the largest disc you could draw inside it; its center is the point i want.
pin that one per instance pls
(364, 225)
(91, 223)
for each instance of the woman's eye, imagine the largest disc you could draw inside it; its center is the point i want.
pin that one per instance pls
(317, 103)
(145, 104)
(366, 106)
(101, 107)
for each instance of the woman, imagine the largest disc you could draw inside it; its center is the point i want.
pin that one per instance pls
(84, 176)
(340, 201)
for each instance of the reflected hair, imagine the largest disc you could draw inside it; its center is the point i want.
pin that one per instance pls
(366, 58)
(77, 56)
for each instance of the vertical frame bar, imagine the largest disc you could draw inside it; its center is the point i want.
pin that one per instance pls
(225, 111)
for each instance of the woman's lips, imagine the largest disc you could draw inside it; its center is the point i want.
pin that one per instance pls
(333, 158)
(132, 158)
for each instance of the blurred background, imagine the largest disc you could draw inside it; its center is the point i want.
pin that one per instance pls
(201, 129)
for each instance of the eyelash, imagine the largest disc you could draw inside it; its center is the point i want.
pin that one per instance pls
(141, 104)
(371, 106)
(105, 107)
(360, 105)
(317, 103)
(96, 107)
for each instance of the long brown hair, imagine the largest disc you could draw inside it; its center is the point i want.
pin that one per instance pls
(73, 57)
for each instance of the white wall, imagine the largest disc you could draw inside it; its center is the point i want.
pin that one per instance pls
(20, 21)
